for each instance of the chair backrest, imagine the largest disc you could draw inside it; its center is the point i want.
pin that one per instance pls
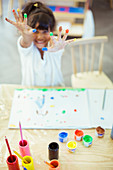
(90, 52)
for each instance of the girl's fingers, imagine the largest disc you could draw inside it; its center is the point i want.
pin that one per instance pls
(14, 23)
(59, 33)
(25, 20)
(20, 15)
(11, 22)
(71, 40)
(15, 15)
(52, 38)
(65, 35)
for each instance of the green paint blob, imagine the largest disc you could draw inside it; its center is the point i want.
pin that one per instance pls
(25, 15)
(51, 34)
(19, 89)
(53, 89)
(44, 89)
(63, 112)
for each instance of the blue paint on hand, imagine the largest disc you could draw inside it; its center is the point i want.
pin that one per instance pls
(34, 30)
(44, 49)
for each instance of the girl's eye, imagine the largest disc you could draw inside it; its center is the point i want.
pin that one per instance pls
(42, 32)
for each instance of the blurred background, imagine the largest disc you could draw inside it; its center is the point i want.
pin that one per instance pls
(101, 18)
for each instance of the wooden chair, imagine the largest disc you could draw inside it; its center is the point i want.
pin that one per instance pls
(90, 55)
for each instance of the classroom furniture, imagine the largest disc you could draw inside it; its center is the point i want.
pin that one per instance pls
(85, 74)
(76, 11)
(98, 156)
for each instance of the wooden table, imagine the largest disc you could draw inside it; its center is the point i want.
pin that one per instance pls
(98, 156)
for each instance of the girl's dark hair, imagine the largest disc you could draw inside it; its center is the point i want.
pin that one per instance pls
(37, 12)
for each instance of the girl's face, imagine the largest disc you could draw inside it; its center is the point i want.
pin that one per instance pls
(41, 38)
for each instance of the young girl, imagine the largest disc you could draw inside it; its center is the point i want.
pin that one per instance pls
(40, 52)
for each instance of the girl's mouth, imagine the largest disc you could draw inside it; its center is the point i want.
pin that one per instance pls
(40, 42)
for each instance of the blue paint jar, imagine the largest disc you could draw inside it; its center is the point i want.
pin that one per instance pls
(63, 136)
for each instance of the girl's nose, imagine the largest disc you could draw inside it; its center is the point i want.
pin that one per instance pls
(39, 35)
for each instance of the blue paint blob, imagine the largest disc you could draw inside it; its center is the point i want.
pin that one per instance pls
(52, 97)
(102, 118)
(34, 30)
(44, 49)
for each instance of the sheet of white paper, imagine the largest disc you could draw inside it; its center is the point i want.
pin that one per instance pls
(61, 109)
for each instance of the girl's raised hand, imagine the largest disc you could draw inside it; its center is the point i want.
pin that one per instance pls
(21, 24)
(59, 43)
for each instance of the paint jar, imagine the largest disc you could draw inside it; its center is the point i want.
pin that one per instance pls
(13, 165)
(87, 140)
(24, 149)
(71, 146)
(78, 135)
(99, 132)
(56, 164)
(30, 164)
(53, 149)
(63, 136)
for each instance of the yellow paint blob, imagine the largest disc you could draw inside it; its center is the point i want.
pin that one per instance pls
(71, 145)
(52, 106)
(12, 125)
(75, 39)
(18, 10)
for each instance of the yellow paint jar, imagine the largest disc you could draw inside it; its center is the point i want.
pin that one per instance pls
(30, 164)
(71, 146)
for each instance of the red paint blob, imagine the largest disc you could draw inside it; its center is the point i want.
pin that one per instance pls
(75, 110)
(67, 31)
(13, 10)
